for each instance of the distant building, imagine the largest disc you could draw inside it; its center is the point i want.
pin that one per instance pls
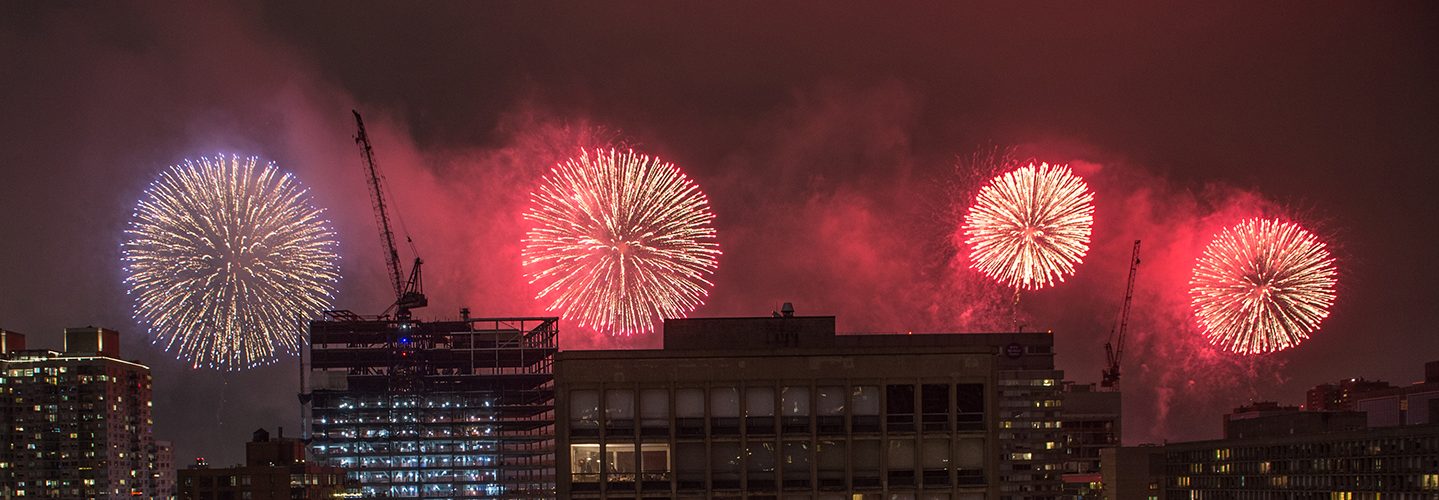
(1132, 473)
(77, 423)
(275, 469)
(782, 406)
(1416, 404)
(1340, 396)
(1391, 462)
(164, 472)
(1268, 419)
(1091, 422)
(446, 409)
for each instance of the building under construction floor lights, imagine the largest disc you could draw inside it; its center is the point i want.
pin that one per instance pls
(446, 409)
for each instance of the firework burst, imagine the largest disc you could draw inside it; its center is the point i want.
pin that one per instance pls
(1030, 227)
(226, 260)
(620, 241)
(1262, 286)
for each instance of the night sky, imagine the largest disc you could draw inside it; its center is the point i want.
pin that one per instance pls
(837, 143)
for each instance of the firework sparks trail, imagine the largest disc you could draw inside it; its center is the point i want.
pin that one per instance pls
(1030, 227)
(620, 241)
(1262, 286)
(225, 261)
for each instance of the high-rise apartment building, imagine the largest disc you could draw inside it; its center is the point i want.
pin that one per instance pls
(1090, 422)
(783, 406)
(77, 423)
(1031, 434)
(447, 409)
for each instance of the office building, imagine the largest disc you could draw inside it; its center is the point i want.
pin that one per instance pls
(446, 409)
(275, 469)
(783, 407)
(77, 423)
(1091, 422)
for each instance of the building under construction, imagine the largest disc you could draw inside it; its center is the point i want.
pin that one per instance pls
(444, 409)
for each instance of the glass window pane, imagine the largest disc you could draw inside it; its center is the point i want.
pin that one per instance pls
(970, 453)
(619, 404)
(725, 459)
(899, 399)
(935, 398)
(864, 455)
(585, 408)
(970, 398)
(585, 462)
(690, 403)
(654, 404)
(829, 455)
(901, 454)
(865, 399)
(830, 401)
(795, 401)
(655, 459)
(935, 454)
(690, 461)
(620, 459)
(796, 460)
(760, 457)
(724, 402)
(759, 402)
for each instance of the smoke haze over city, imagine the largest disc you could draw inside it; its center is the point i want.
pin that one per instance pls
(838, 145)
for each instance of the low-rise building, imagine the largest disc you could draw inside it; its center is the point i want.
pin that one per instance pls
(782, 406)
(275, 469)
(1386, 462)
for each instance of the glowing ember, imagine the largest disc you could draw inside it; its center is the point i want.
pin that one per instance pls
(226, 262)
(1030, 227)
(1262, 286)
(620, 241)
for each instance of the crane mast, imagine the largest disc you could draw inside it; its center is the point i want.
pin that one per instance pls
(1114, 348)
(409, 293)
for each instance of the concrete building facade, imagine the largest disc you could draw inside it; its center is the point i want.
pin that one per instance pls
(782, 406)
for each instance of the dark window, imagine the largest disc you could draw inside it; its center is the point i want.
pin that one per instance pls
(935, 406)
(969, 401)
(899, 406)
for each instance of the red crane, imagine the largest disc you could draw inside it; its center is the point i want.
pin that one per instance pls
(409, 294)
(1114, 349)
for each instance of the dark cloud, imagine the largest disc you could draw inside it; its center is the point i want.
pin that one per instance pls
(826, 137)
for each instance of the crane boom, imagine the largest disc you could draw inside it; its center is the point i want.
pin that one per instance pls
(1114, 348)
(408, 293)
(382, 217)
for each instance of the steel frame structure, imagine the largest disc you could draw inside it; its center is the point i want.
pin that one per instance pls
(445, 409)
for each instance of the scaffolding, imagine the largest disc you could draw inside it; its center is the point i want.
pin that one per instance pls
(446, 409)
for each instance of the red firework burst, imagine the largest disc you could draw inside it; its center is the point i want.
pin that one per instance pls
(1030, 227)
(1262, 286)
(620, 241)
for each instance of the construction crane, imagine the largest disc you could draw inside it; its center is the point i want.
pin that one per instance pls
(1114, 348)
(409, 294)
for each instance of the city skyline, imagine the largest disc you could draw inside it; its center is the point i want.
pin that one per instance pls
(829, 154)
